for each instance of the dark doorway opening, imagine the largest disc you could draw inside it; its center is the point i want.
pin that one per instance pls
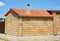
(2, 27)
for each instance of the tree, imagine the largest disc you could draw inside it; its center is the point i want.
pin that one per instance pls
(2, 19)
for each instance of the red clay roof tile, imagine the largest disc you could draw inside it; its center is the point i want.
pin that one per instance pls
(33, 13)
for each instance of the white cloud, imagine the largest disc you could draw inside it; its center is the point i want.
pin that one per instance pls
(2, 4)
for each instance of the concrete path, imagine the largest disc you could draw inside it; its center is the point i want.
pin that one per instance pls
(29, 38)
(9, 37)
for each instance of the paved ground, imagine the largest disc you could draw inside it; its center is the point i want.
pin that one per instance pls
(9, 37)
(30, 38)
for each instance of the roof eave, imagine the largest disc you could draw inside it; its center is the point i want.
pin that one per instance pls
(54, 10)
(39, 16)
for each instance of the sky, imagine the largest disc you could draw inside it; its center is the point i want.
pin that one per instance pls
(5, 5)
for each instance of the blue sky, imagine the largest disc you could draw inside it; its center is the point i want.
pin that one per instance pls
(5, 5)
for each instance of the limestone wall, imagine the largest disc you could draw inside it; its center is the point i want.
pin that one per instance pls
(15, 25)
(12, 24)
(57, 23)
(37, 26)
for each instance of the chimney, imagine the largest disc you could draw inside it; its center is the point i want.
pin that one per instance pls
(28, 9)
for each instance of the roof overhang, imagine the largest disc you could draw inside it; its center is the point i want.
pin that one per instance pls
(12, 10)
(57, 11)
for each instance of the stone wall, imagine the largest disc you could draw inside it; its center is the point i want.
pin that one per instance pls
(15, 25)
(57, 24)
(12, 24)
(37, 26)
